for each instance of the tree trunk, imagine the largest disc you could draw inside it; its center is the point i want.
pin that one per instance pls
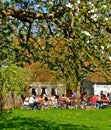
(1, 100)
(25, 93)
(13, 99)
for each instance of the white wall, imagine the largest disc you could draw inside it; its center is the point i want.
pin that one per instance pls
(102, 87)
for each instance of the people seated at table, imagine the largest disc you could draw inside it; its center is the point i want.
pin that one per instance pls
(94, 101)
(55, 101)
(104, 101)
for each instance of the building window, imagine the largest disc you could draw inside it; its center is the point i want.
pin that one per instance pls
(34, 92)
(54, 91)
(44, 91)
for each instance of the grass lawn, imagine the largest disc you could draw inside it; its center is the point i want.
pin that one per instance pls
(56, 119)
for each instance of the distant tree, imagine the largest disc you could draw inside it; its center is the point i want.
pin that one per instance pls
(42, 73)
(13, 79)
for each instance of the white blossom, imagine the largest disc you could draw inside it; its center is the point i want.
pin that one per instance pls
(86, 33)
(109, 57)
(102, 47)
(76, 14)
(106, 19)
(104, 6)
(51, 3)
(58, 35)
(92, 11)
(43, 47)
(108, 46)
(69, 5)
(94, 17)
(38, 5)
(78, 1)
(90, 3)
(87, 41)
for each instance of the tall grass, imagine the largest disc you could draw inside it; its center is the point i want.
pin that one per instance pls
(56, 119)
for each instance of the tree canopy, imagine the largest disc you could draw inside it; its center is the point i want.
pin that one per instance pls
(75, 33)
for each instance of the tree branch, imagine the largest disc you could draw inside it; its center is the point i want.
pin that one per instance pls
(27, 16)
(96, 64)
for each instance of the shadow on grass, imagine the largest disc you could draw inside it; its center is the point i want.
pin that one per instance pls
(19, 123)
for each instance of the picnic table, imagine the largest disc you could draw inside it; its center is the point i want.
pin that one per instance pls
(103, 103)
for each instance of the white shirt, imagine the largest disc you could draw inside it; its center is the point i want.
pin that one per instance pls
(31, 100)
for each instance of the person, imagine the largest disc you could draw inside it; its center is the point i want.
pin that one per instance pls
(36, 102)
(46, 102)
(74, 95)
(62, 101)
(26, 102)
(109, 98)
(94, 101)
(83, 100)
(54, 101)
(31, 101)
(104, 101)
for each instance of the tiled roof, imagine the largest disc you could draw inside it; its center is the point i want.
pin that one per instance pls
(96, 77)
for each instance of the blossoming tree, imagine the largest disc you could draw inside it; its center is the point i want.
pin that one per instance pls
(74, 32)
